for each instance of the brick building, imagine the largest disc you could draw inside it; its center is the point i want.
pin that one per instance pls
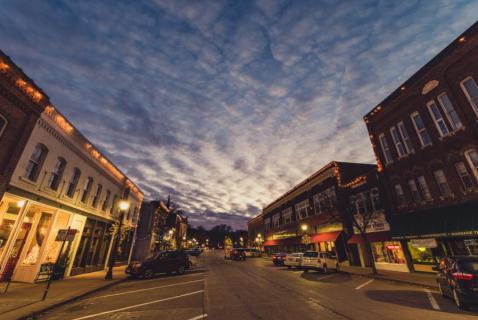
(255, 231)
(425, 137)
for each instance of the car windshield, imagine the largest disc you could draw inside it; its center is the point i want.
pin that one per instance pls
(469, 266)
(311, 254)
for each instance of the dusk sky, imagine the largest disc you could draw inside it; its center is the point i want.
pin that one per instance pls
(225, 105)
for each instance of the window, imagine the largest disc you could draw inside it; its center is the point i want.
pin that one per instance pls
(464, 175)
(360, 205)
(471, 91)
(421, 130)
(450, 112)
(325, 200)
(276, 220)
(114, 203)
(57, 174)
(301, 209)
(442, 183)
(416, 197)
(3, 124)
(267, 223)
(387, 154)
(422, 184)
(438, 119)
(399, 195)
(287, 215)
(405, 137)
(87, 189)
(97, 196)
(375, 198)
(397, 140)
(472, 158)
(36, 162)
(75, 177)
(106, 202)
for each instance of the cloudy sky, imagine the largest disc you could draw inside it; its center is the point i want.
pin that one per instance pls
(225, 105)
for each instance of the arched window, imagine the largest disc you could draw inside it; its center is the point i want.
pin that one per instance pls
(106, 202)
(36, 162)
(73, 183)
(87, 189)
(472, 158)
(57, 173)
(97, 196)
(115, 202)
(3, 124)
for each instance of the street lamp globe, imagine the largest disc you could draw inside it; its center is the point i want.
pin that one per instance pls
(259, 235)
(123, 205)
(304, 227)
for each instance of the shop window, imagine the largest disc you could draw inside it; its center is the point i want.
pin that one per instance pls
(421, 129)
(472, 158)
(399, 195)
(465, 177)
(57, 173)
(442, 183)
(3, 124)
(424, 190)
(7, 223)
(87, 189)
(450, 112)
(387, 153)
(421, 255)
(97, 195)
(106, 202)
(35, 163)
(471, 92)
(73, 182)
(39, 238)
(389, 252)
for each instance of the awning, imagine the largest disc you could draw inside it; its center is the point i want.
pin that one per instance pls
(283, 242)
(372, 237)
(325, 236)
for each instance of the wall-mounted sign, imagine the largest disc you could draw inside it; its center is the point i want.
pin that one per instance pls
(429, 86)
(66, 234)
(423, 243)
(379, 223)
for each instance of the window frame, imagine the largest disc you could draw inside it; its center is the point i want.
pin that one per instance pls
(2, 129)
(287, 213)
(450, 193)
(304, 204)
(412, 116)
(382, 138)
(86, 190)
(474, 168)
(33, 173)
(437, 121)
(423, 188)
(395, 133)
(474, 106)
(74, 185)
(397, 196)
(97, 196)
(405, 137)
(452, 123)
(461, 177)
(414, 191)
(56, 177)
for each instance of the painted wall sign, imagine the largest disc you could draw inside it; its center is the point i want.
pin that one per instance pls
(429, 86)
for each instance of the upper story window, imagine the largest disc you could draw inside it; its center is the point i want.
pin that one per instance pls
(106, 202)
(450, 111)
(442, 183)
(387, 154)
(405, 137)
(472, 158)
(97, 196)
(416, 196)
(57, 173)
(302, 209)
(114, 203)
(465, 177)
(397, 140)
(276, 220)
(73, 182)
(360, 207)
(471, 92)
(325, 200)
(267, 223)
(421, 129)
(36, 162)
(424, 190)
(400, 196)
(438, 119)
(375, 198)
(3, 124)
(87, 189)
(287, 215)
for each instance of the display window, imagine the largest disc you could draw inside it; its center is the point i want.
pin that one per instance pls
(38, 239)
(388, 252)
(464, 247)
(7, 223)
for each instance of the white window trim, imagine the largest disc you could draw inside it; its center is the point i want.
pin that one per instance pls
(403, 137)
(303, 204)
(380, 136)
(397, 143)
(470, 101)
(418, 131)
(5, 126)
(287, 213)
(452, 124)
(474, 170)
(429, 106)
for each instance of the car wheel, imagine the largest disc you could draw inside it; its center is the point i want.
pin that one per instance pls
(460, 304)
(147, 274)
(324, 269)
(441, 290)
(180, 270)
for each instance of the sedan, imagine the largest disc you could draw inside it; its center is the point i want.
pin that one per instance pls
(293, 260)
(278, 258)
(163, 262)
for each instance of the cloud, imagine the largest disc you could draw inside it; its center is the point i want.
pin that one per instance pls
(225, 104)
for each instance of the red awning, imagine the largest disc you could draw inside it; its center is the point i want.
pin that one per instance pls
(325, 236)
(282, 242)
(372, 237)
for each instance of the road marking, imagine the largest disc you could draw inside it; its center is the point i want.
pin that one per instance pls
(433, 302)
(202, 316)
(364, 284)
(151, 288)
(327, 276)
(138, 305)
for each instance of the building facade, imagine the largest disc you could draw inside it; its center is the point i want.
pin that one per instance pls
(425, 137)
(255, 232)
(61, 184)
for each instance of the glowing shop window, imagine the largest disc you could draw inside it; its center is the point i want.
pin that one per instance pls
(38, 239)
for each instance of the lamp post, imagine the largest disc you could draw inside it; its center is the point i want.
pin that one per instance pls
(305, 237)
(123, 206)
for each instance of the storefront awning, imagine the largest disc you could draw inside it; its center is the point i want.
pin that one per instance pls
(372, 237)
(325, 236)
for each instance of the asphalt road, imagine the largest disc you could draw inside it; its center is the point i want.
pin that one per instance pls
(255, 289)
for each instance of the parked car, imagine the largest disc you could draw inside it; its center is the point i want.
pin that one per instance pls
(293, 260)
(163, 262)
(278, 258)
(253, 253)
(320, 261)
(238, 254)
(457, 278)
(194, 252)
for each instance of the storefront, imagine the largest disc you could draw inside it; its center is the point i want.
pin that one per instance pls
(331, 242)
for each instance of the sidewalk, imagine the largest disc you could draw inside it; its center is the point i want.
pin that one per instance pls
(24, 299)
(415, 278)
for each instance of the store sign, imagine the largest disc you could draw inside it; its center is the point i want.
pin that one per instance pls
(379, 223)
(66, 234)
(283, 236)
(423, 243)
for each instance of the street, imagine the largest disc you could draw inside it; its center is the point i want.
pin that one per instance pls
(255, 289)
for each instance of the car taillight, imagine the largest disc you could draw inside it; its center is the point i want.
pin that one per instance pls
(462, 276)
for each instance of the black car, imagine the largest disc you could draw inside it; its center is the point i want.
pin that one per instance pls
(238, 254)
(163, 262)
(279, 258)
(458, 279)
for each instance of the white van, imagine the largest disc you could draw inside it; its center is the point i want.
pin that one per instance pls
(320, 261)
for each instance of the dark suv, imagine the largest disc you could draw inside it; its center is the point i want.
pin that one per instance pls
(458, 279)
(163, 262)
(238, 254)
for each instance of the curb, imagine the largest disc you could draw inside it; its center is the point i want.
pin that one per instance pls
(32, 315)
(409, 282)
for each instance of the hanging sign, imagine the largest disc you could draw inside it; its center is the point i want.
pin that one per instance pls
(66, 234)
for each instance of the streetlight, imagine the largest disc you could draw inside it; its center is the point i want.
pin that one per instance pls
(123, 206)
(304, 227)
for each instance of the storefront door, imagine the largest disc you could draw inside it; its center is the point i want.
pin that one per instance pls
(16, 251)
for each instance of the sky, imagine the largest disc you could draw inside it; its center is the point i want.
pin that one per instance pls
(225, 105)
